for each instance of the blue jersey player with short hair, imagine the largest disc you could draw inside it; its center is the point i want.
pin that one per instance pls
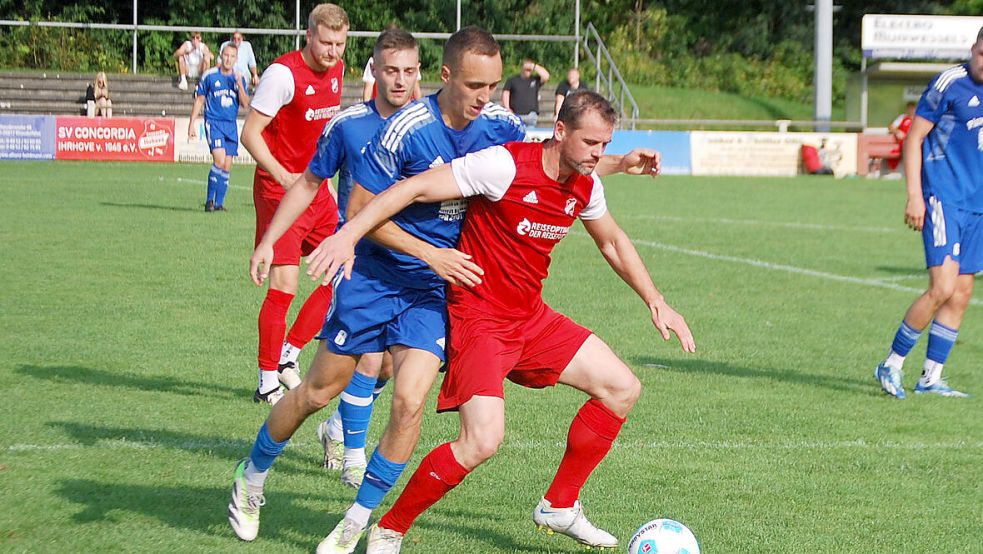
(944, 166)
(221, 91)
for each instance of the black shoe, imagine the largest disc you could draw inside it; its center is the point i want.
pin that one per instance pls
(271, 397)
(220, 209)
(209, 206)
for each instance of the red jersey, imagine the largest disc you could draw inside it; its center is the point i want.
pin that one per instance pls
(301, 101)
(512, 227)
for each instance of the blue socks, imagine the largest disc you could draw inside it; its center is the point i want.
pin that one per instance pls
(356, 409)
(265, 449)
(905, 339)
(380, 476)
(940, 342)
(218, 185)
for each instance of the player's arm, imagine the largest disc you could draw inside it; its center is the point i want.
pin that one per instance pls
(621, 255)
(275, 90)
(640, 161)
(450, 264)
(241, 90)
(338, 250)
(195, 111)
(297, 199)
(914, 213)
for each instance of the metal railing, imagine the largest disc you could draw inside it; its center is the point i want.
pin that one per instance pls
(608, 80)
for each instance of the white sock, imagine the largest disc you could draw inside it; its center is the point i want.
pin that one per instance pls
(289, 353)
(931, 373)
(359, 514)
(254, 479)
(268, 380)
(354, 457)
(335, 431)
(894, 360)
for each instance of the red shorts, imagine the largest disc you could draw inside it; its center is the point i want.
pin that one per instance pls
(485, 350)
(317, 223)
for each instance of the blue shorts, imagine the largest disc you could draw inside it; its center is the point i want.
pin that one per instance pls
(369, 315)
(222, 134)
(954, 233)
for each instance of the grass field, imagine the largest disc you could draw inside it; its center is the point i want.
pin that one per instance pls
(128, 361)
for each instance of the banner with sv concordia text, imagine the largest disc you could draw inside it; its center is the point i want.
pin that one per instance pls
(116, 139)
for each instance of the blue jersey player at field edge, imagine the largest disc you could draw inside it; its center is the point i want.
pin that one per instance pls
(944, 166)
(221, 91)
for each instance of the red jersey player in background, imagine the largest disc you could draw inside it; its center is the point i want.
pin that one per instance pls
(298, 94)
(899, 130)
(525, 198)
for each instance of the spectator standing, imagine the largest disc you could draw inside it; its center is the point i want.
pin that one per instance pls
(245, 58)
(193, 59)
(521, 92)
(221, 90)
(566, 88)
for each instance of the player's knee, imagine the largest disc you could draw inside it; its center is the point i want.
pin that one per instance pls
(482, 446)
(407, 409)
(941, 291)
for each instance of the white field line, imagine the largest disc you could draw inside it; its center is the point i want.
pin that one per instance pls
(879, 283)
(857, 444)
(200, 182)
(759, 222)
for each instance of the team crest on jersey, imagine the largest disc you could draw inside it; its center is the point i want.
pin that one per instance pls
(334, 85)
(571, 204)
(452, 210)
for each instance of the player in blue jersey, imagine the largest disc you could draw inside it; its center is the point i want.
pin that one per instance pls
(221, 91)
(943, 157)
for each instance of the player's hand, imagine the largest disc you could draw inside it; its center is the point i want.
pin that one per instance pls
(259, 263)
(238, 77)
(288, 179)
(641, 161)
(454, 266)
(192, 131)
(255, 80)
(914, 213)
(667, 319)
(334, 253)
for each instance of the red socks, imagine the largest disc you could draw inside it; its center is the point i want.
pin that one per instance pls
(310, 319)
(272, 327)
(439, 472)
(590, 438)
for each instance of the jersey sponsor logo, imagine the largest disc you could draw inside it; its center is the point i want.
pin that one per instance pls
(341, 337)
(571, 204)
(974, 101)
(531, 198)
(452, 210)
(313, 114)
(543, 231)
(310, 90)
(334, 84)
(437, 161)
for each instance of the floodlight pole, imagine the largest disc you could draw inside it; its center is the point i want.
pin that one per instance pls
(135, 36)
(297, 27)
(576, 34)
(458, 23)
(824, 64)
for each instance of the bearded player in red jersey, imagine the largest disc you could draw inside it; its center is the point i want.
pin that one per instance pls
(298, 94)
(524, 199)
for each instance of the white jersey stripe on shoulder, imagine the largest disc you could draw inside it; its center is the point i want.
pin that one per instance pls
(347, 113)
(948, 76)
(400, 120)
(410, 124)
(209, 72)
(396, 132)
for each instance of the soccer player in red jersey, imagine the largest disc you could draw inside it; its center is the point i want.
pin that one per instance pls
(297, 95)
(524, 199)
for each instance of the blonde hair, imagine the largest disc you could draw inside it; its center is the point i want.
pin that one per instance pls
(331, 16)
(105, 81)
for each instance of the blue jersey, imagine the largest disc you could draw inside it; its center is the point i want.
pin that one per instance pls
(952, 154)
(219, 92)
(411, 142)
(341, 144)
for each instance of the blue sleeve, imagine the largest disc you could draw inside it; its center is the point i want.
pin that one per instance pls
(245, 85)
(330, 153)
(932, 105)
(201, 89)
(382, 163)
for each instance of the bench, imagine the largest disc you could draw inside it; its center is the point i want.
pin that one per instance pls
(872, 150)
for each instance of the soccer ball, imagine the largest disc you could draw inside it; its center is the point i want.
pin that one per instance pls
(663, 536)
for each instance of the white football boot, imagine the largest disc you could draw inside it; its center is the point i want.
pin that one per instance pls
(383, 541)
(334, 451)
(343, 538)
(245, 504)
(573, 523)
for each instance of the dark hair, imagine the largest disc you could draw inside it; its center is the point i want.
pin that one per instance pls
(579, 103)
(471, 39)
(979, 36)
(393, 39)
